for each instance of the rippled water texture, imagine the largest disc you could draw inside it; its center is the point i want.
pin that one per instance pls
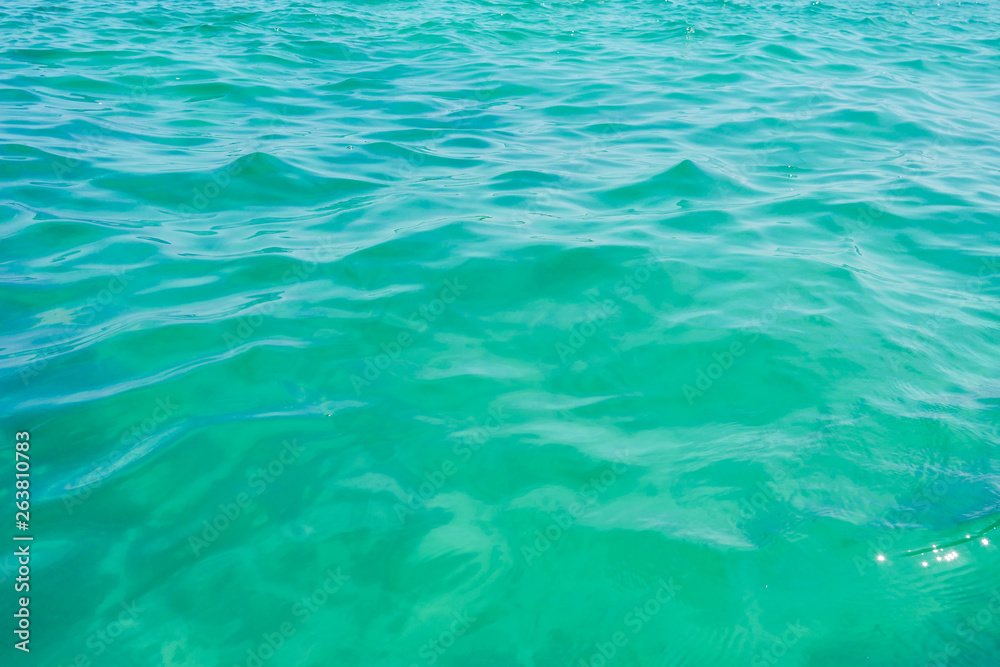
(482, 334)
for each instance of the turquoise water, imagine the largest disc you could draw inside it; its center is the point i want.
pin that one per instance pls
(483, 334)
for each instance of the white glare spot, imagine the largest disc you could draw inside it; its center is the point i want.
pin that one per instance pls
(880, 558)
(924, 563)
(985, 541)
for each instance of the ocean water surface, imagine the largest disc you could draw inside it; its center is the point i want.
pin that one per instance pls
(474, 333)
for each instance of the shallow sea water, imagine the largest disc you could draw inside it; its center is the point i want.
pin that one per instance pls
(480, 334)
